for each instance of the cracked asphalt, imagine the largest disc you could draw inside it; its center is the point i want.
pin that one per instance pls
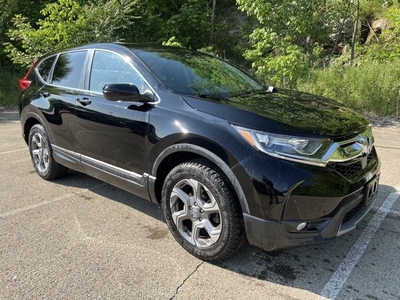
(80, 238)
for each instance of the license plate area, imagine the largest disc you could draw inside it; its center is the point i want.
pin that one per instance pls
(371, 189)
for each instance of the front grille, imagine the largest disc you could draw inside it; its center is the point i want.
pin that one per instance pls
(347, 170)
(352, 213)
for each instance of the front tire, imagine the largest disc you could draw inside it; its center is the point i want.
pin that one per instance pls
(42, 156)
(202, 212)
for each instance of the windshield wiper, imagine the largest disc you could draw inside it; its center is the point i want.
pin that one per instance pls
(270, 88)
(266, 89)
(212, 96)
(219, 96)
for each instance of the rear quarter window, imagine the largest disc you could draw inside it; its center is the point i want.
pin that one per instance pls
(68, 70)
(41, 71)
(45, 66)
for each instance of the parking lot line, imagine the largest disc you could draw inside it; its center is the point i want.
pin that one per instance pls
(334, 285)
(12, 151)
(36, 205)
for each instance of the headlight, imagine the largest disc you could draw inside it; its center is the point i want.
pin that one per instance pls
(285, 146)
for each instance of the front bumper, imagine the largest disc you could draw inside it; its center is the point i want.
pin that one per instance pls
(275, 235)
(327, 201)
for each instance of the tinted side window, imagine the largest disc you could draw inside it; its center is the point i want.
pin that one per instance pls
(69, 69)
(108, 67)
(45, 67)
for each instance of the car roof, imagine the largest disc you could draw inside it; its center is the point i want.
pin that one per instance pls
(130, 46)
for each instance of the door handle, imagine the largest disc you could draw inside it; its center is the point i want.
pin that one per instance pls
(84, 101)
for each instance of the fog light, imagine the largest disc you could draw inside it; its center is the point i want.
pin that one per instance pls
(301, 226)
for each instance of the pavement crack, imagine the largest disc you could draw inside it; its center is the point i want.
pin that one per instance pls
(184, 281)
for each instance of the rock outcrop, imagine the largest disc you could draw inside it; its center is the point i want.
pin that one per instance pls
(376, 28)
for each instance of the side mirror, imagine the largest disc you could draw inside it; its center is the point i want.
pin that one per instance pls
(124, 92)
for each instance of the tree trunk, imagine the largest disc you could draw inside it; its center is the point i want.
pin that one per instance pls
(214, 4)
(353, 39)
(338, 36)
(397, 105)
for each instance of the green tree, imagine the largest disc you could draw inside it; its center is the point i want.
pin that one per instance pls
(292, 35)
(67, 23)
(191, 24)
(8, 8)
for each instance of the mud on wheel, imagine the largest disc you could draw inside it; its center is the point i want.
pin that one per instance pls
(201, 211)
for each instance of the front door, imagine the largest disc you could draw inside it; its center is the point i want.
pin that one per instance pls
(112, 132)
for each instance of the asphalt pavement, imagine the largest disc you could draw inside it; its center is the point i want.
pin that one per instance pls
(80, 238)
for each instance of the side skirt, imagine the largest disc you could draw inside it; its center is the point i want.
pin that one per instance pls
(129, 181)
(67, 158)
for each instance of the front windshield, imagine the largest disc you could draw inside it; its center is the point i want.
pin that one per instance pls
(197, 74)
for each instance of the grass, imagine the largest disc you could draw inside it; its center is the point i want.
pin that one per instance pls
(371, 88)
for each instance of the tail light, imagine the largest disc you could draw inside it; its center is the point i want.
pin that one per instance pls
(24, 82)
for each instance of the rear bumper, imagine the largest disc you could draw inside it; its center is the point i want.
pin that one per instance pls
(274, 235)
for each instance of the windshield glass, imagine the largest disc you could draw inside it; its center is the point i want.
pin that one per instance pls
(198, 74)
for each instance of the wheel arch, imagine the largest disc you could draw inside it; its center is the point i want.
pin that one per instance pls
(28, 122)
(179, 153)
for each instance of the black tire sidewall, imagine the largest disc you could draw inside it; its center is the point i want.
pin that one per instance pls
(38, 128)
(224, 197)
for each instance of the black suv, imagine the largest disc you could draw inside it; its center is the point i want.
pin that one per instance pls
(228, 158)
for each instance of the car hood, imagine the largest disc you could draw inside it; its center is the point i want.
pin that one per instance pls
(285, 112)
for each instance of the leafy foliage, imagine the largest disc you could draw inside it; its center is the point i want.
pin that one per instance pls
(292, 35)
(68, 23)
(191, 24)
(299, 44)
(391, 36)
(8, 9)
(71, 22)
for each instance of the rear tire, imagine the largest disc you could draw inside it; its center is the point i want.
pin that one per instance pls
(42, 154)
(202, 212)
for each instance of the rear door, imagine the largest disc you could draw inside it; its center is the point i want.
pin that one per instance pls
(66, 82)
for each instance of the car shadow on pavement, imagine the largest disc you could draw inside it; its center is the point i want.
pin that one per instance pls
(307, 267)
(80, 180)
